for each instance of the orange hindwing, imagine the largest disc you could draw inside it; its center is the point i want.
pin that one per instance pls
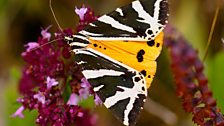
(136, 54)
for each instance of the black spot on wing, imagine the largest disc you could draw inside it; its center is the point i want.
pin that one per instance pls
(151, 43)
(137, 79)
(143, 72)
(119, 108)
(140, 55)
(149, 32)
(134, 113)
(95, 45)
(143, 88)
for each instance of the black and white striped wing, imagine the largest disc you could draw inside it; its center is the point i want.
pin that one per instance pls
(141, 20)
(121, 88)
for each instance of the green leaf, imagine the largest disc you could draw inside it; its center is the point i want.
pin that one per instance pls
(15, 73)
(216, 79)
(67, 91)
(10, 96)
(87, 103)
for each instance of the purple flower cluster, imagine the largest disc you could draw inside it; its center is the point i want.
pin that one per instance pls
(52, 82)
(191, 83)
(86, 16)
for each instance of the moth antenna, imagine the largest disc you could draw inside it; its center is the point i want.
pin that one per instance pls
(45, 44)
(52, 11)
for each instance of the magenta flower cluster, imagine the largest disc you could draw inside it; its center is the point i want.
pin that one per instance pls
(52, 82)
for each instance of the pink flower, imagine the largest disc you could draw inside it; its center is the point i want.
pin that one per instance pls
(85, 83)
(80, 114)
(51, 82)
(45, 34)
(97, 100)
(20, 100)
(40, 97)
(19, 112)
(73, 100)
(81, 12)
(31, 45)
(84, 93)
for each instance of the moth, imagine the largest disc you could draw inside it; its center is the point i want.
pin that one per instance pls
(117, 55)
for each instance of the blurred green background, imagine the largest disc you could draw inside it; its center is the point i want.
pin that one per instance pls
(21, 22)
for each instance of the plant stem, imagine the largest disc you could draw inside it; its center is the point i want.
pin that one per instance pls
(212, 30)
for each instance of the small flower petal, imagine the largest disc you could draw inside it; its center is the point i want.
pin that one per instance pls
(51, 82)
(45, 34)
(40, 97)
(81, 12)
(20, 100)
(85, 83)
(84, 93)
(98, 100)
(31, 45)
(73, 100)
(19, 112)
(80, 114)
